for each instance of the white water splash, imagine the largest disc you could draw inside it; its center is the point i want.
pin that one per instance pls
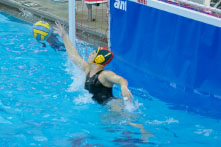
(131, 107)
(83, 99)
(168, 121)
(204, 132)
(77, 75)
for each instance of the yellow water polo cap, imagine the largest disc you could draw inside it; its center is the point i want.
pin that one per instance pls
(103, 56)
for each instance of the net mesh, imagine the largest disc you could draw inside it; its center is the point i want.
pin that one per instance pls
(92, 22)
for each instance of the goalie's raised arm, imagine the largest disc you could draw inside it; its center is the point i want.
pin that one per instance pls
(71, 50)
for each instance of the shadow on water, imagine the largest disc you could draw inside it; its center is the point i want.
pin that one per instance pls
(82, 141)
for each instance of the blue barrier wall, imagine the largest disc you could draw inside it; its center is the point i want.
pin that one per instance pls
(176, 59)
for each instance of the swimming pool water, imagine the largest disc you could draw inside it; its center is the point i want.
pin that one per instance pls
(43, 103)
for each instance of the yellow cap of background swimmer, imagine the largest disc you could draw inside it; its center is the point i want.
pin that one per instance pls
(103, 56)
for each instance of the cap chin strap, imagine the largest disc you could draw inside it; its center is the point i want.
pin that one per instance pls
(97, 64)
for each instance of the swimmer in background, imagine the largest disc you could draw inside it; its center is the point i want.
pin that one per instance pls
(99, 82)
(54, 42)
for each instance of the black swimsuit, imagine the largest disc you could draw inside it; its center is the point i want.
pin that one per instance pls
(101, 93)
